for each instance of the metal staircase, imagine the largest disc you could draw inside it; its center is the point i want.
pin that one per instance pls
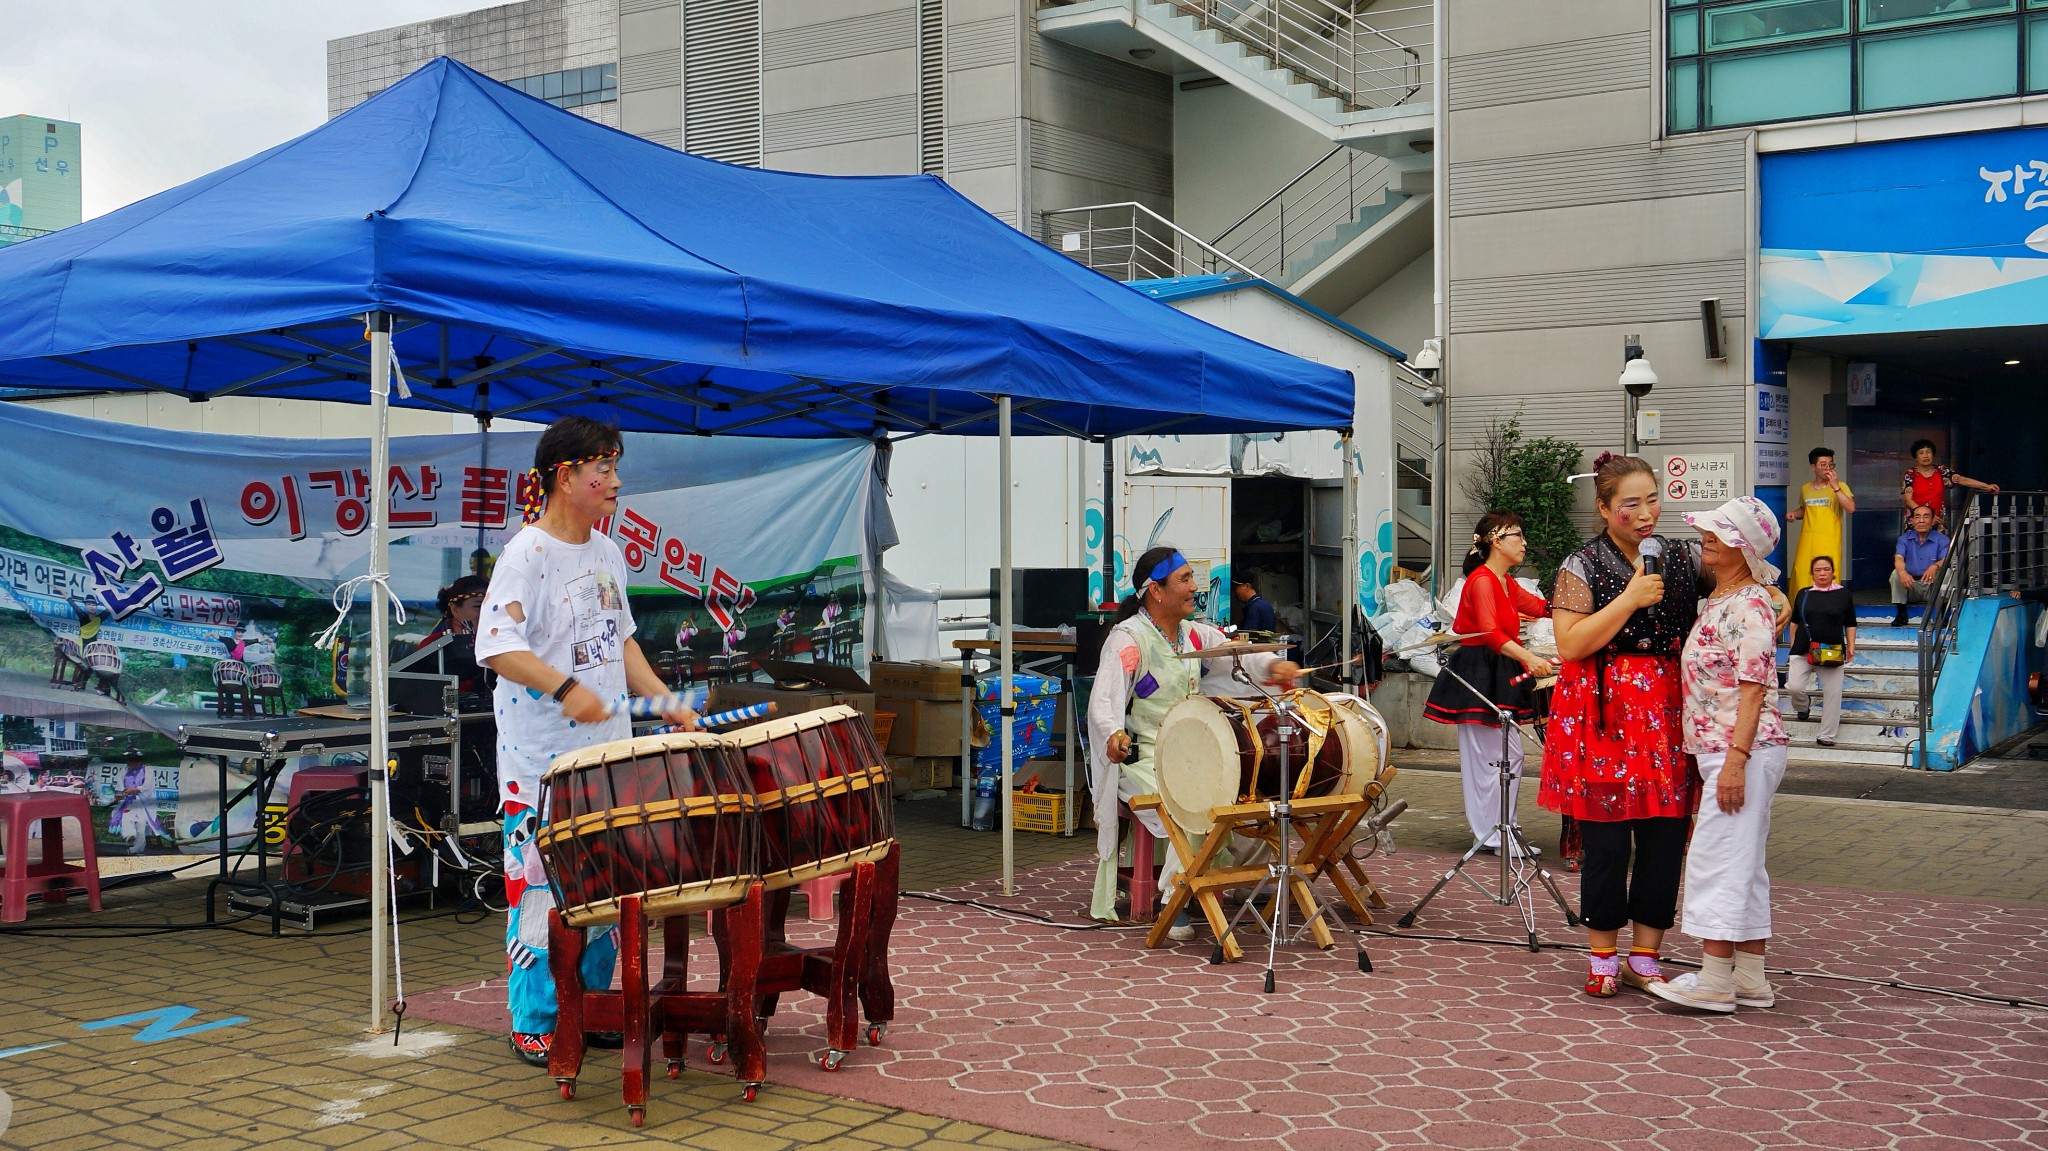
(1880, 699)
(1353, 71)
(1309, 218)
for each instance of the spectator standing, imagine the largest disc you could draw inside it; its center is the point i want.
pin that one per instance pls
(1823, 641)
(1823, 501)
(1916, 562)
(1927, 482)
(1254, 612)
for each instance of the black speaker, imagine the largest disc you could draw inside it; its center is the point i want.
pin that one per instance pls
(1046, 597)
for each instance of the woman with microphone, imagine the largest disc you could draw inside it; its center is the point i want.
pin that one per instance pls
(1497, 667)
(1614, 756)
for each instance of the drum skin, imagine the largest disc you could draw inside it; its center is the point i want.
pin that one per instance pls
(821, 784)
(1217, 751)
(670, 818)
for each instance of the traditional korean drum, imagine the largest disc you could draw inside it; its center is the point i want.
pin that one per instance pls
(1217, 751)
(670, 818)
(822, 784)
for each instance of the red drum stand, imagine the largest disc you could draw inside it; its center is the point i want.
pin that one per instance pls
(638, 1010)
(851, 972)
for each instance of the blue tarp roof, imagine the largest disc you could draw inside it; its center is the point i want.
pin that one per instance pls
(572, 268)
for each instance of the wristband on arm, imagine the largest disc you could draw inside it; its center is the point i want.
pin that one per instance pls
(562, 692)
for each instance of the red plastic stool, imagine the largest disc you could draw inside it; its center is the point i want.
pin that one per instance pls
(818, 894)
(1139, 878)
(52, 878)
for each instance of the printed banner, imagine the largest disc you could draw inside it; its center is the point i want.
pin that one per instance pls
(150, 579)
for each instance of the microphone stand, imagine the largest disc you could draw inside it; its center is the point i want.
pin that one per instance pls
(1517, 871)
(1281, 873)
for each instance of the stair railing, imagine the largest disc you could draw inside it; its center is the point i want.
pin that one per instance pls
(1421, 436)
(1999, 547)
(1129, 241)
(1363, 55)
(1306, 210)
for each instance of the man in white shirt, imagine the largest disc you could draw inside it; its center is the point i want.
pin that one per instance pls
(556, 628)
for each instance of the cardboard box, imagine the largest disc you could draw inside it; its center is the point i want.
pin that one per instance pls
(919, 773)
(924, 679)
(797, 688)
(923, 726)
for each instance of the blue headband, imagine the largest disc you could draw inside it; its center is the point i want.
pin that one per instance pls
(1167, 567)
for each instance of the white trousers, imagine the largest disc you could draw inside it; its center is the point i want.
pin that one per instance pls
(1727, 889)
(1479, 763)
(1799, 677)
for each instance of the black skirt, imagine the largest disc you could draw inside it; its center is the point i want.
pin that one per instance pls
(1490, 672)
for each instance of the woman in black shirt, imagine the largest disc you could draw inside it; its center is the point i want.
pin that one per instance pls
(1823, 614)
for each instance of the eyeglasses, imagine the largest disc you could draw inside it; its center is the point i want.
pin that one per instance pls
(1511, 534)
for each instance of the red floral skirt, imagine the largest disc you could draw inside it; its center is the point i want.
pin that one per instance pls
(1632, 765)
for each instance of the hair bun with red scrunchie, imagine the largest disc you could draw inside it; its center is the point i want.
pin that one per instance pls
(1605, 459)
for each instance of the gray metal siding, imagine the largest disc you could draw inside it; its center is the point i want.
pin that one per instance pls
(1626, 295)
(1544, 71)
(1599, 176)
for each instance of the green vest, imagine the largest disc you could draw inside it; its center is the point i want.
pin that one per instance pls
(1178, 679)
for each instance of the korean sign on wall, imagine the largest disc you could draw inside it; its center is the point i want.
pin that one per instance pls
(1707, 478)
(150, 579)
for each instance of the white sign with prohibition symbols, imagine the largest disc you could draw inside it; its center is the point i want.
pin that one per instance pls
(1705, 479)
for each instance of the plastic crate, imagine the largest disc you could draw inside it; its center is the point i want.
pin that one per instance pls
(1039, 811)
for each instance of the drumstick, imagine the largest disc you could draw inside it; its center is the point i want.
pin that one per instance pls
(736, 715)
(1526, 676)
(653, 706)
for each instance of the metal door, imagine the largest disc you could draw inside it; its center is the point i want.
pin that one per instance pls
(1191, 513)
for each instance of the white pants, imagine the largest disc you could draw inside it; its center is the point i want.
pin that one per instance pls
(1727, 889)
(1479, 763)
(1799, 677)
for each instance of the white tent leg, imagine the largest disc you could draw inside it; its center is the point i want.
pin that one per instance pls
(380, 659)
(1349, 676)
(1009, 702)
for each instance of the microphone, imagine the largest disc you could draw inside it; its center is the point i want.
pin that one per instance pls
(1652, 553)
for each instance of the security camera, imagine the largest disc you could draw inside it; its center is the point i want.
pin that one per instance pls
(1637, 377)
(1429, 360)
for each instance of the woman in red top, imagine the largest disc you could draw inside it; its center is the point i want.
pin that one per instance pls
(1493, 606)
(1927, 483)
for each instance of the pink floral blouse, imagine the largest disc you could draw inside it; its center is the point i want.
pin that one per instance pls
(1734, 642)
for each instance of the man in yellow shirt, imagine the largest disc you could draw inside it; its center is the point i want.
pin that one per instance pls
(1822, 503)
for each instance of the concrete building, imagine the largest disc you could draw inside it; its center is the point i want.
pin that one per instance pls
(1780, 201)
(39, 177)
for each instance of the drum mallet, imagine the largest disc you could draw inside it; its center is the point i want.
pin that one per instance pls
(655, 706)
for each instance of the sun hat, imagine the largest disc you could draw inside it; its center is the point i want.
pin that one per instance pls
(1746, 523)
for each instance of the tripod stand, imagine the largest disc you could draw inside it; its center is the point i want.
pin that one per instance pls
(1281, 873)
(1518, 872)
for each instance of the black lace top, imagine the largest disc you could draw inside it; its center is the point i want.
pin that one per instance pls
(1593, 576)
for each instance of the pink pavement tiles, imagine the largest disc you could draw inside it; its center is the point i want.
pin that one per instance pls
(1087, 1037)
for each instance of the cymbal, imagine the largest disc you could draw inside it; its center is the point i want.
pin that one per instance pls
(1442, 639)
(1234, 647)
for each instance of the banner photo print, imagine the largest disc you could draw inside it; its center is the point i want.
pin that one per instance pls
(151, 579)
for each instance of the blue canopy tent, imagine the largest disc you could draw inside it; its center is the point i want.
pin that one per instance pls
(520, 261)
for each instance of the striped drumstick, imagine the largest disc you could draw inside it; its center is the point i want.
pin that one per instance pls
(653, 706)
(736, 715)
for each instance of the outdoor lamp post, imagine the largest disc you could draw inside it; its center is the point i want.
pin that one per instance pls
(1637, 378)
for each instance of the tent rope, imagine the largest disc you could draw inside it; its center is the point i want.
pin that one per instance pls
(345, 602)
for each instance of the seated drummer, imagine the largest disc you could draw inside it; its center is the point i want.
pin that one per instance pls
(557, 629)
(1140, 678)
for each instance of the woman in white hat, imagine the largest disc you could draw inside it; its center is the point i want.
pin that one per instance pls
(1729, 673)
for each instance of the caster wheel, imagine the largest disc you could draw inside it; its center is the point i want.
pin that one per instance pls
(568, 1088)
(750, 1092)
(717, 1055)
(832, 1060)
(675, 1069)
(637, 1114)
(875, 1033)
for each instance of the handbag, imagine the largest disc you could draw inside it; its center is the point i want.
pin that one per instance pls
(1820, 654)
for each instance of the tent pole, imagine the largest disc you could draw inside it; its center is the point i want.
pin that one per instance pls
(1108, 522)
(1009, 612)
(380, 659)
(1348, 677)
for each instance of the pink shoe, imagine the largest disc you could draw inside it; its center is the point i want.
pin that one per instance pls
(1600, 976)
(1641, 971)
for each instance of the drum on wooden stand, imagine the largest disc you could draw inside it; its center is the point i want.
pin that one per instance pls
(1217, 751)
(669, 818)
(823, 788)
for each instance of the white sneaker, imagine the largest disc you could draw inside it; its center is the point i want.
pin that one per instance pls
(1689, 990)
(1758, 996)
(1181, 932)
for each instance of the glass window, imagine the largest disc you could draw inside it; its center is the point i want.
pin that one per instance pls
(1774, 22)
(1690, 3)
(551, 86)
(593, 78)
(1939, 66)
(1901, 13)
(1786, 85)
(1685, 34)
(1683, 103)
(2037, 54)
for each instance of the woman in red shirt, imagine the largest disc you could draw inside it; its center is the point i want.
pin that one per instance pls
(1491, 609)
(1927, 483)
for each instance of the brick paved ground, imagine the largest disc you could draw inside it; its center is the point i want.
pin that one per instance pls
(1872, 1068)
